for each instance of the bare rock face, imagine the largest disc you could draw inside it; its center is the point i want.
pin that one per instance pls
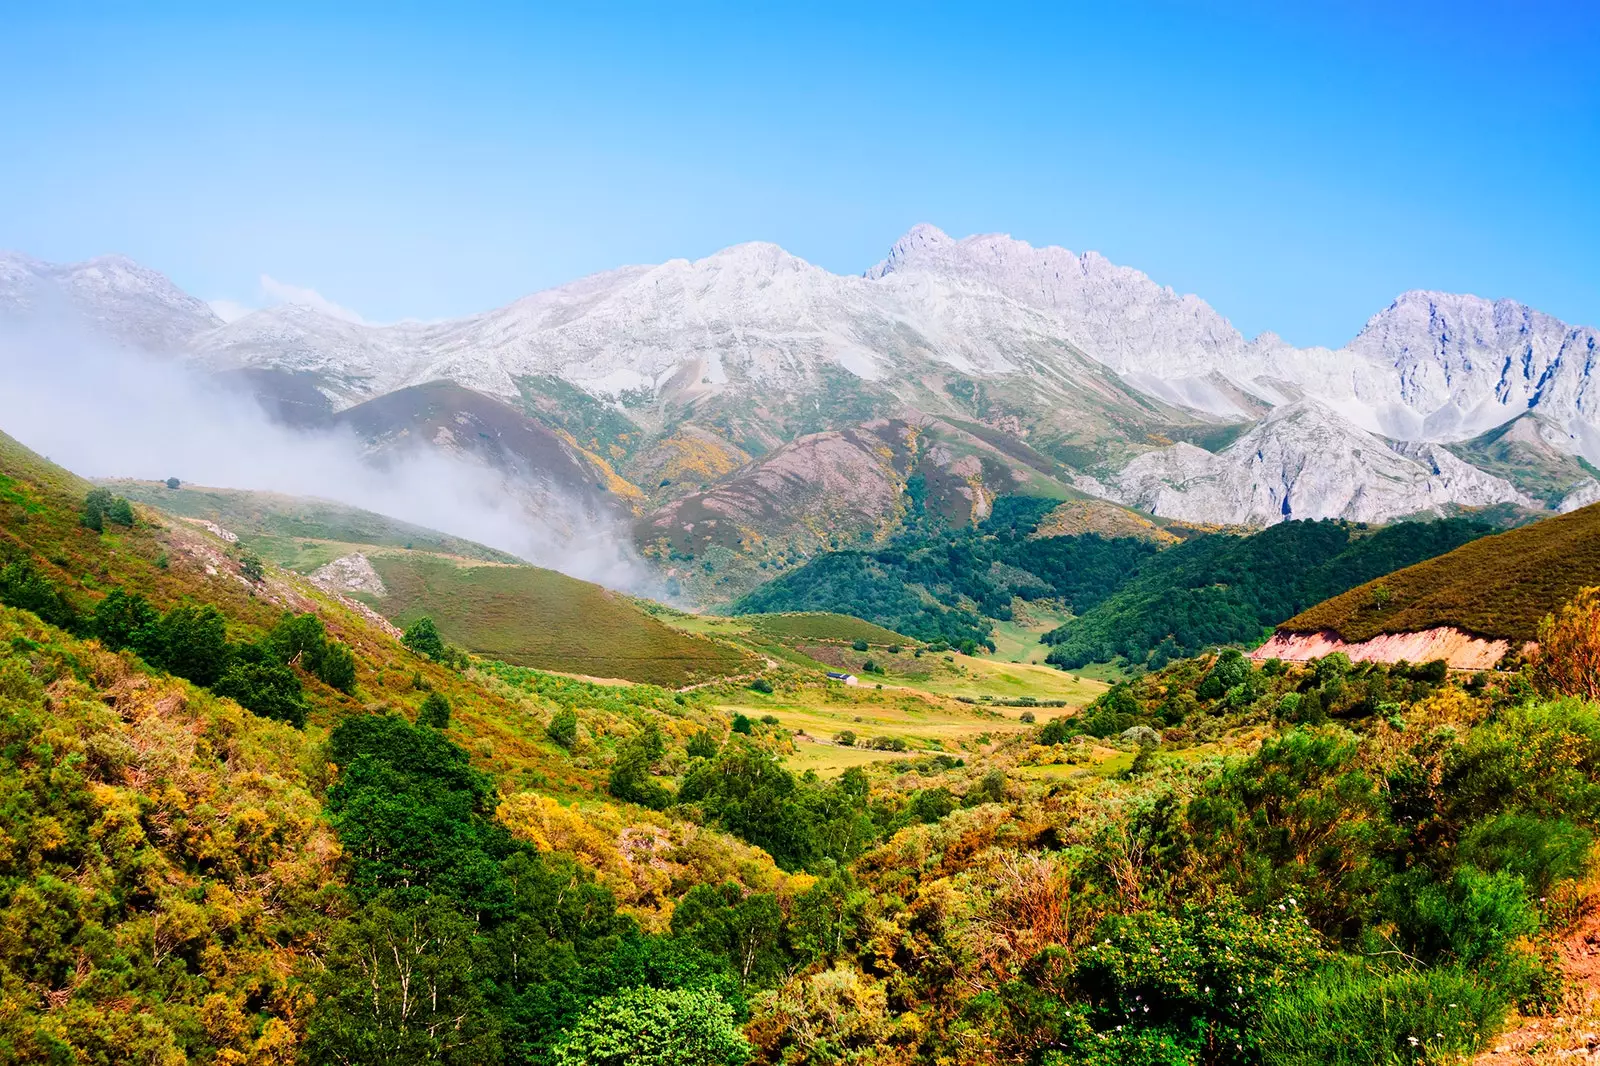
(1462, 651)
(350, 574)
(1304, 461)
(1582, 496)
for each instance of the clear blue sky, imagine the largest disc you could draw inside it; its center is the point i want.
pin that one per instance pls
(1296, 164)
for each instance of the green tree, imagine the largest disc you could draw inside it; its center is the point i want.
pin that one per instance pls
(23, 587)
(173, 483)
(435, 711)
(337, 667)
(95, 505)
(703, 745)
(422, 637)
(191, 642)
(401, 983)
(652, 1027)
(742, 928)
(631, 779)
(263, 686)
(120, 511)
(741, 724)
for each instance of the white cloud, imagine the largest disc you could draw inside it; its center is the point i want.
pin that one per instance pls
(281, 292)
(230, 310)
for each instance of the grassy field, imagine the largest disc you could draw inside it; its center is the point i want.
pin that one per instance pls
(527, 616)
(1017, 641)
(823, 712)
(823, 626)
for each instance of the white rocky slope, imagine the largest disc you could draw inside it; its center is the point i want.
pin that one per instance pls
(1303, 461)
(112, 294)
(1431, 366)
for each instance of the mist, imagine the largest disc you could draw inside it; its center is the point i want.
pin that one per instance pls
(104, 412)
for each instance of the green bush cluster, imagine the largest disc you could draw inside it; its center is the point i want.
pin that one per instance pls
(517, 956)
(100, 507)
(192, 642)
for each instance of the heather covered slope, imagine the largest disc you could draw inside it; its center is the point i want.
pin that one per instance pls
(488, 602)
(1498, 587)
(529, 616)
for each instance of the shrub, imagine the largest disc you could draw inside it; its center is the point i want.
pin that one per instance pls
(1027, 716)
(435, 711)
(769, 719)
(251, 568)
(845, 737)
(422, 637)
(741, 724)
(563, 727)
(655, 1027)
(762, 685)
(858, 644)
(173, 483)
(120, 511)
(1569, 648)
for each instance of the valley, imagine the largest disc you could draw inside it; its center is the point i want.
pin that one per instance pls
(950, 611)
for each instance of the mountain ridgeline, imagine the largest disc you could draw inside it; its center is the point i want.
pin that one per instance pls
(1131, 598)
(750, 408)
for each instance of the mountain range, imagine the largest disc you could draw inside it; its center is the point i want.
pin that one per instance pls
(755, 403)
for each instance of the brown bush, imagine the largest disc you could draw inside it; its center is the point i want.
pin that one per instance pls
(1569, 647)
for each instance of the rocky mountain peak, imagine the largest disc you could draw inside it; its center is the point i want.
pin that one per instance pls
(918, 238)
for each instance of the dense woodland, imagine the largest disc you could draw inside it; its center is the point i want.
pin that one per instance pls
(1132, 599)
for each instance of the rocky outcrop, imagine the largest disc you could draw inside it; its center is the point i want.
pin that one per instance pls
(350, 574)
(1303, 461)
(1462, 651)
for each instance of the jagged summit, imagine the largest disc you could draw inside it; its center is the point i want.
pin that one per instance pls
(919, 237)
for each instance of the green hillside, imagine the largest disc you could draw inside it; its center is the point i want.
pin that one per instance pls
(830, 627)
(275, 523)
(529, 616)
(474, 862)
(1224, 589)
(1500, 586)
(935, 583)
(1134, 598)
(509, 611)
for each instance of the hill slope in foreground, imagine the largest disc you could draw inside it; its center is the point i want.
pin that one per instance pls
(484, 600)
(1496, 589)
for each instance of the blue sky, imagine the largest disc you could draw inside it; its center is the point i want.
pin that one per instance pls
(1295, 164)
